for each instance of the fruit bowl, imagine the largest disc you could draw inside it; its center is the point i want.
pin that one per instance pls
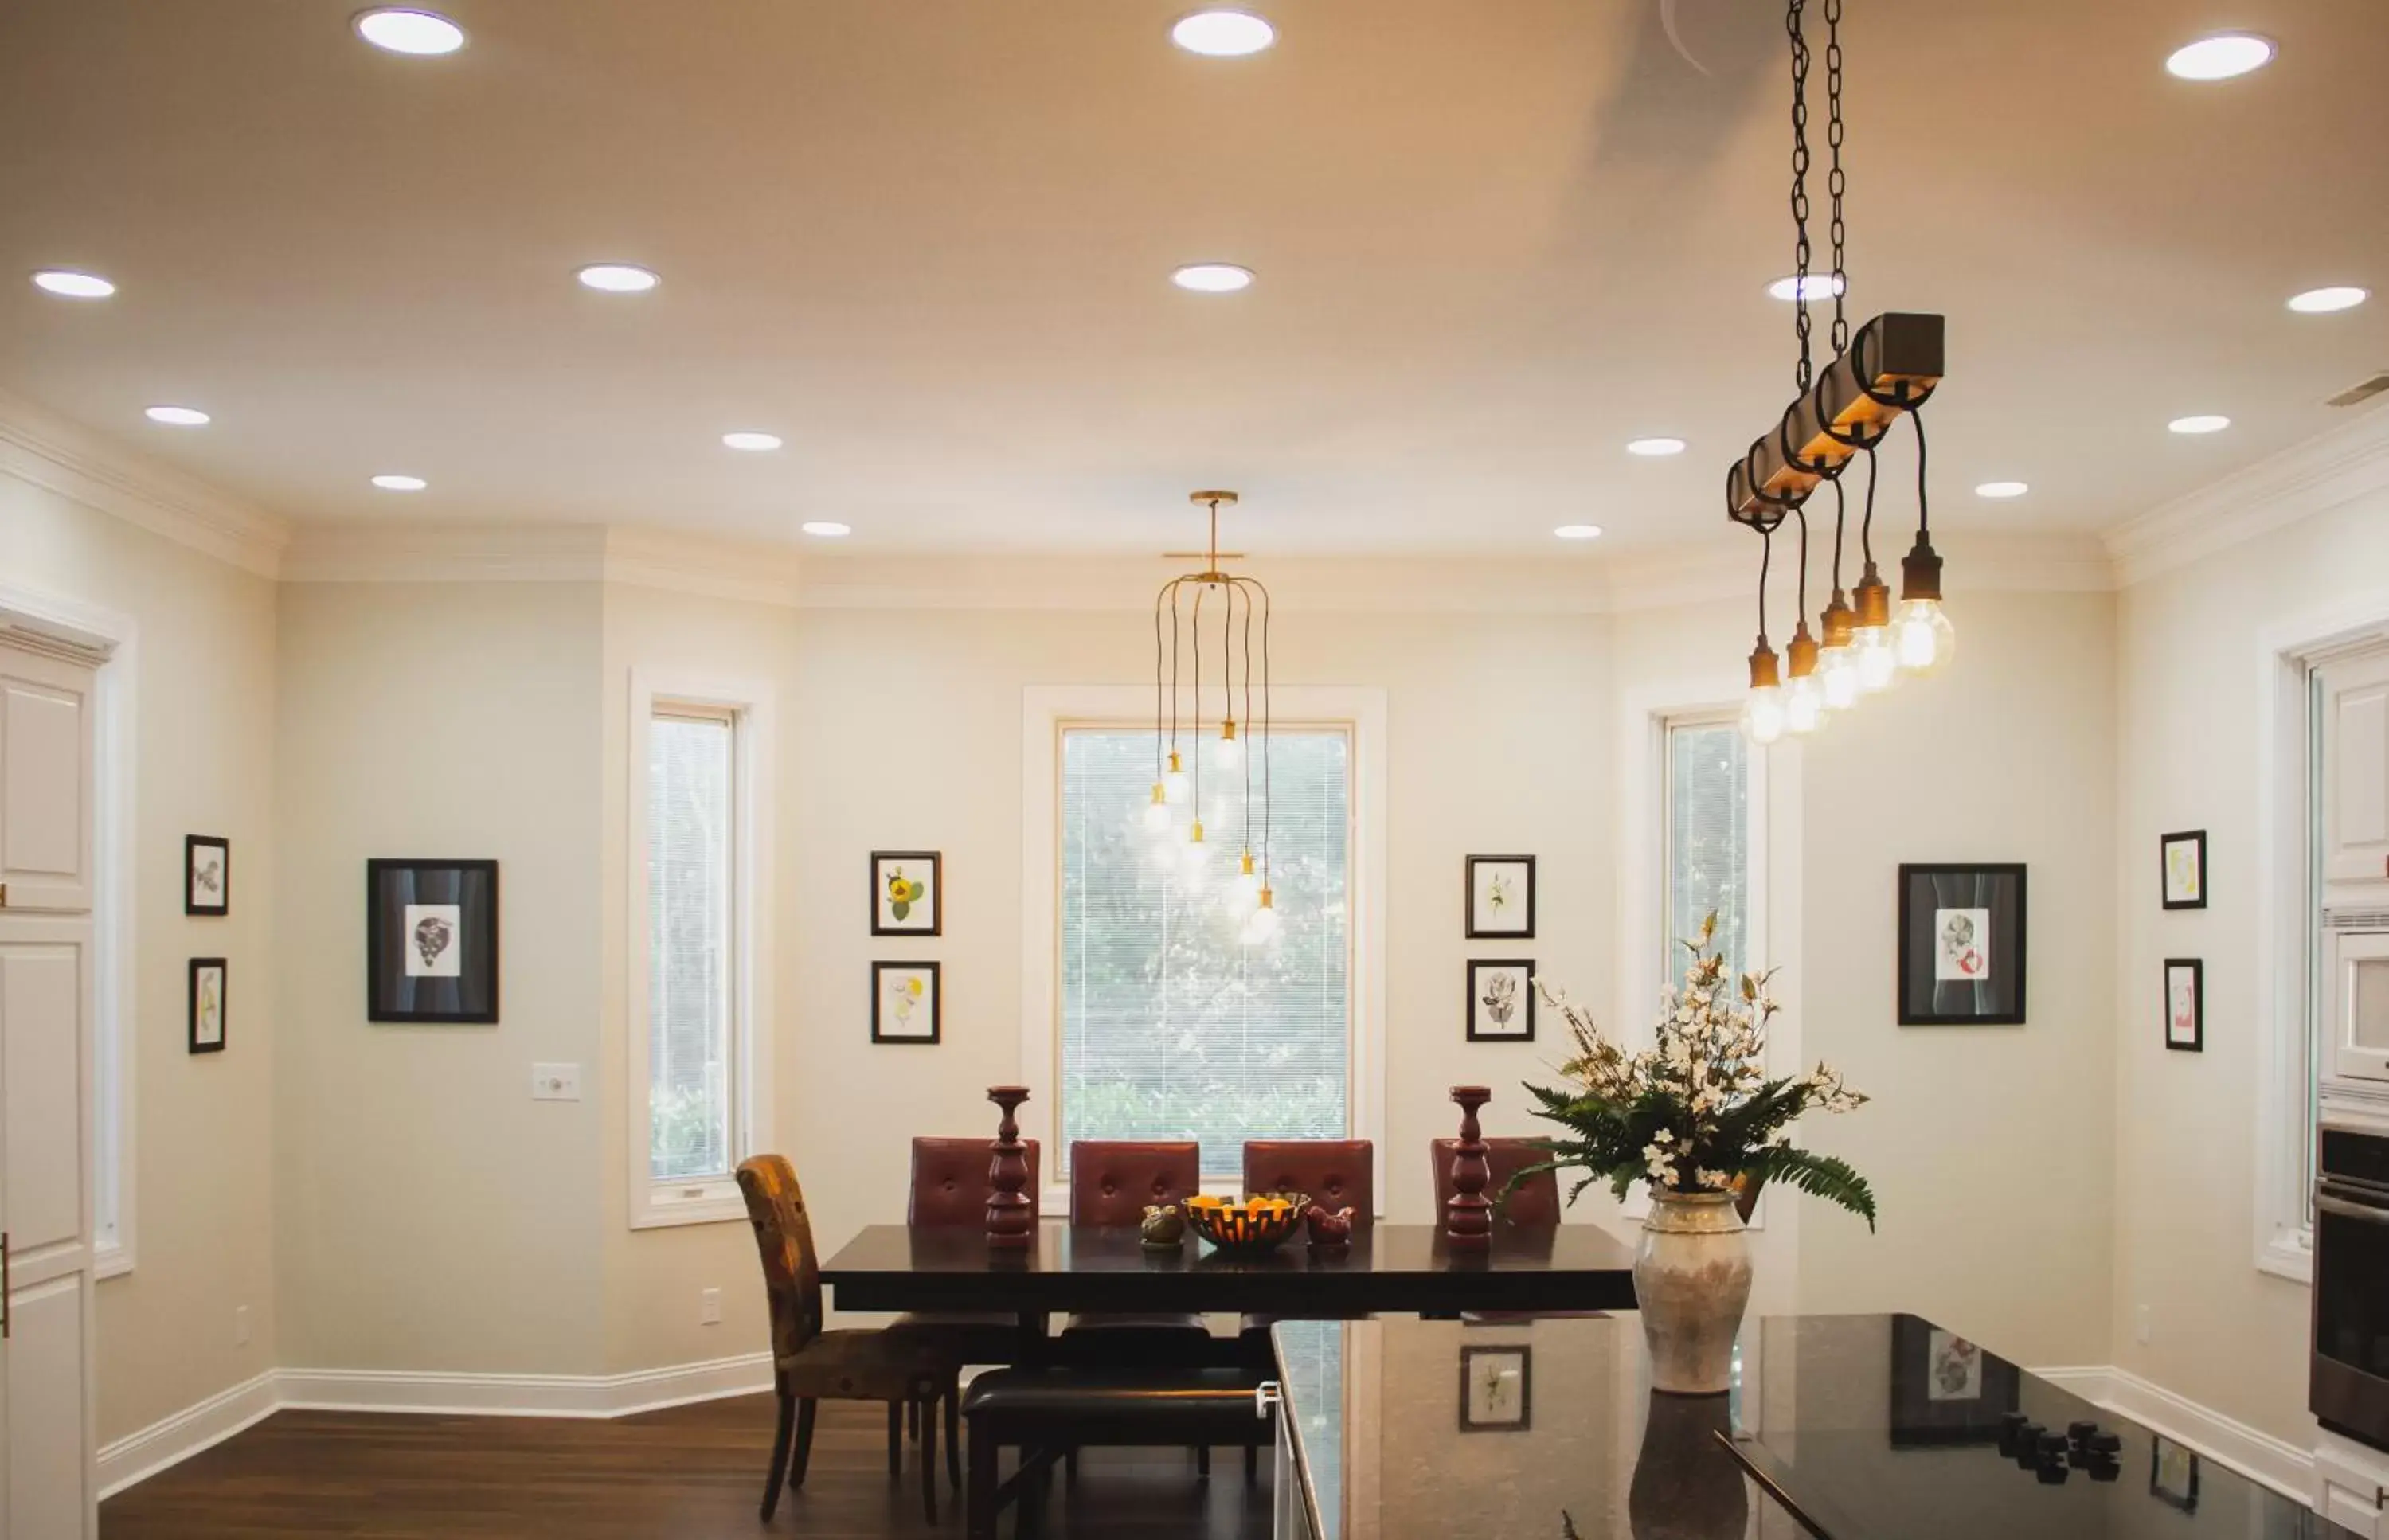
(1252, 1225)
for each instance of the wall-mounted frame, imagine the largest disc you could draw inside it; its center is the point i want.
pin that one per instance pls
(207, 876)
(1500, 1000)
(1945, 1389)
(2185, 1004)
(1496, 1388)
(209, 1003)
(908, 1003)
(431, 941)
(2181, 862)
(1962, 944)
(908, 892)
(1500, 897)
(2173, 1473)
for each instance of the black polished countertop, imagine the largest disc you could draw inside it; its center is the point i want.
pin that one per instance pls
(1848, 1427)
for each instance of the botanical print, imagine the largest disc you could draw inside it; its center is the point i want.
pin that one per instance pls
(2185, 870)
(207, 1009)
(2183, 1028)
(1954, 1369)
(1501, 999)
(904, 1003)
(431, 940)
(1961, 943)
(1497, 894)
(904, 897)
(207, 876)
(1501, 895)
(906, 995)
(903, 893)
(1493, 1388)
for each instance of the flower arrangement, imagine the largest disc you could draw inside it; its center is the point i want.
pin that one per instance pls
(1697, 1113)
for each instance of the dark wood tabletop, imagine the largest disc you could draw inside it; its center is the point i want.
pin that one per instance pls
(1399, 1268)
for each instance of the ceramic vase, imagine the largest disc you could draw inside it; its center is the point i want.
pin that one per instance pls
(1692, 1283)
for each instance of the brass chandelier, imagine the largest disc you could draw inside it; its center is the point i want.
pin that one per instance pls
(1887, 370)
(1236, 601)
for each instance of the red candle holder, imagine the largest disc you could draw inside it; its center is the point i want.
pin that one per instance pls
(1468, 1213)
(1009, 1227)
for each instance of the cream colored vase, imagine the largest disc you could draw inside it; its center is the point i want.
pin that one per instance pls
(1691, 1282)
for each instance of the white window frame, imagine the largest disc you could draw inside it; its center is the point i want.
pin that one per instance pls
(111, 641)
(2286, 920)
(653, 1205)
(1047, 711)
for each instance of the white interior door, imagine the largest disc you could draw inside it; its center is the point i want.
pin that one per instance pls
(45, 782)
(2360, 1012)
(2356, 771)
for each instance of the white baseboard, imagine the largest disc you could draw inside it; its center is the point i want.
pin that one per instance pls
(2252, 1452)
(174, 1439)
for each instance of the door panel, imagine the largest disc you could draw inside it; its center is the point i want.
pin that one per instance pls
(49, 1495)
(46, 782)
(2356, 771)
(44, 1101)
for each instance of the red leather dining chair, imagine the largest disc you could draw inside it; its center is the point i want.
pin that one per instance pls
(1111, 1183)
(1337, 1173)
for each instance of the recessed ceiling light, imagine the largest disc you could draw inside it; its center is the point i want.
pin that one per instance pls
(1816, 285)
(827, 528)
(2322, 301)
(1222, 34)
(2001, 488)
(2221, 57)
(1213, 277)
(402, 31)
(1578, 531)
(69, 284)
(753, 442)
(400, 483)
(1652, 448)
(2204, 423)
(617, 278)
(178, 416)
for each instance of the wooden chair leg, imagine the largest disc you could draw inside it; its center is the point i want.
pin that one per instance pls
(1203, 1461)
(779, 1455)
(804, 1450)
(1252, 1465)
(954, 1434)
(1070, 1468)
(895, 1439)
(979, 1500)
(912, 1420)
(928, 1417)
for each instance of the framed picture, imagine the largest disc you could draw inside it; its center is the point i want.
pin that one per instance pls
(1501, 1001)
(1496, 1389)
(1962, 946)
(908, 892)
(2184, 862)
(206, 874)
(2173, 1473)
(1500, 897)
(2185, 1004)
(1945, 1389)
(907, 1005)
(207, 975)
(431, 941)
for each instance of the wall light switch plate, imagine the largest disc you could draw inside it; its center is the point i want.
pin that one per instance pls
(2142, 1328)
(240, 1326)
(555, 1082)
(708, 1307)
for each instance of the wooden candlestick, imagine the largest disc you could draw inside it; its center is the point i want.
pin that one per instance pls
(1468, 1216)
(1009, 1226)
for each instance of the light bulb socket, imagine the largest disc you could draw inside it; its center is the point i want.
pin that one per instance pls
(1268, 900)
(1248, 863)
(1874, 597)
(1228, 731)
(1763, 672)
(1838, 621)
(1920, 573)
(1195, 834)
(1160, 795)
(1175, 767)
(1801, 651)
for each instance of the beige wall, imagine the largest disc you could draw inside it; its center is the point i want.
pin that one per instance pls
(203, 1124)
(430, 1214)
(2220, 1332)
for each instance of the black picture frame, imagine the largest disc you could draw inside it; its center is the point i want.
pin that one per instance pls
(1468, 901)
(200, 968)
(2196, 967)
(936, 862)
(1469, 1356)
(1477, 965)
(1929, 1409)
(405, 984)
(1995, 892)
(2196, 840)
(2182, 1490)
(195, 875)
(879, 1033)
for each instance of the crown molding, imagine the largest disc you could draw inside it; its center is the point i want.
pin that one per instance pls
(383, 553)
(39, 446)
(716, 568)
(2323, 473)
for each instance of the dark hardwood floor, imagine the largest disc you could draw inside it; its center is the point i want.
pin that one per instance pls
(686, 1473)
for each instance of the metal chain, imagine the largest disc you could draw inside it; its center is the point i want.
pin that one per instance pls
(1834, 180)
(1793, 14)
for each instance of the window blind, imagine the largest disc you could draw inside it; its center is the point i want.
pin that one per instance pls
(1709, 843)
(1172, 1027)
(691, 817)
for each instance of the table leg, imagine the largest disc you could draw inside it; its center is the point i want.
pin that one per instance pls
(1035, 1341)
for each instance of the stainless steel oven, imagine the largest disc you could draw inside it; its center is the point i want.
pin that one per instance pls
(2350, 1384)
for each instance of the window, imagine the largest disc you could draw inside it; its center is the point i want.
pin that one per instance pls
(694, 995)
(1708, 866)
(1171, 1026)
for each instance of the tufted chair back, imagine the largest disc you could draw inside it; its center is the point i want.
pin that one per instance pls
(1337, 1173)
(776, 1206)
(949, 1178)
(1536, 1204)
(1112, 1180)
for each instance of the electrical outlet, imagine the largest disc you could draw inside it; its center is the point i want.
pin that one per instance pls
(2141, 1328)
(708, 1307)
(240, 1326)
(555, 1082)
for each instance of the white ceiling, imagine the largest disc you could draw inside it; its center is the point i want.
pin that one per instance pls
(928, 241)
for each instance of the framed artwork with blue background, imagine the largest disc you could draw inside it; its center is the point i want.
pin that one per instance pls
(431, 942)
(1962, 944)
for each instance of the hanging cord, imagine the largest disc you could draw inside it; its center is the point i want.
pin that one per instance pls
(1792, 29)
(1268, 736)
(1835, 182)
(1923, 516)
(1173, 666)
(1195, 803)
(1157, 682)
(1766, 559)
(1248, 723)
(1866, 526)
(1802, 588)
(1841, 511)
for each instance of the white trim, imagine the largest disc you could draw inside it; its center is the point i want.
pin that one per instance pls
(111, 641)
(655, 1205)
(1044, 710)
(2323, 473)
(42, 448)
(172, 1439)
(2283, 1244)
(682, 562)
(2247, 1451)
